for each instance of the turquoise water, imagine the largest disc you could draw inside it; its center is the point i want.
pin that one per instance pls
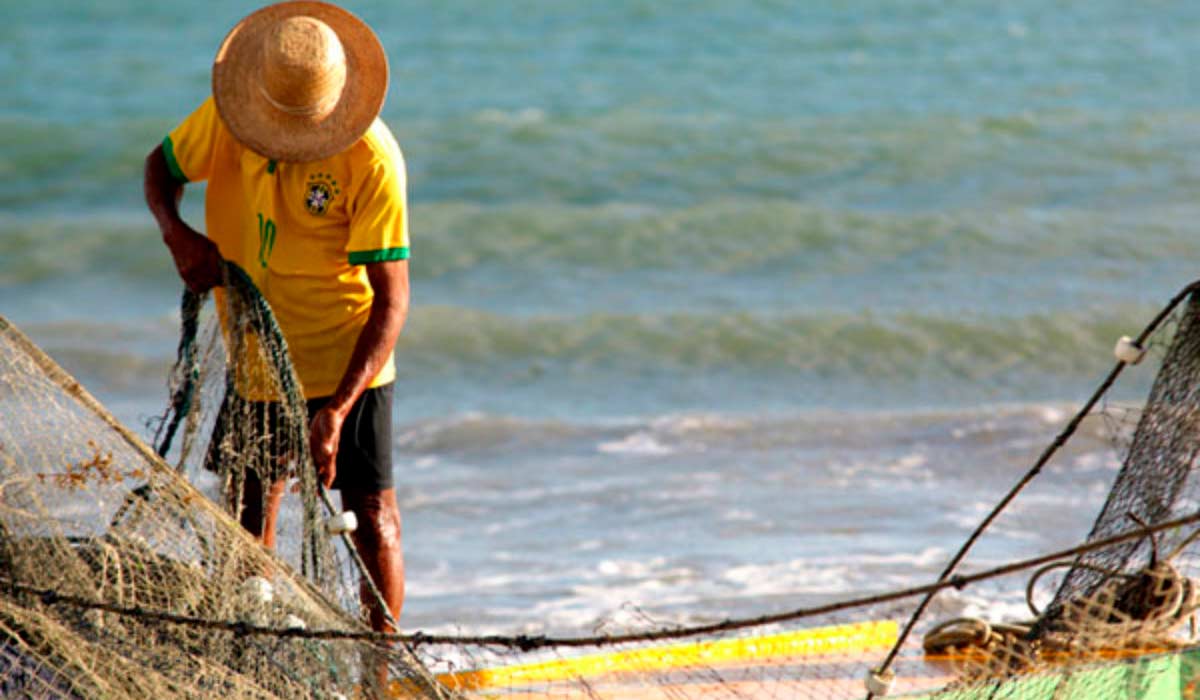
(632, 216)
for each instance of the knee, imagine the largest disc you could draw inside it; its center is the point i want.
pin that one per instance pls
(378, 516)
(386, 526)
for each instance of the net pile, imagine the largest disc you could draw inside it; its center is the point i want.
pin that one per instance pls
(119, 578)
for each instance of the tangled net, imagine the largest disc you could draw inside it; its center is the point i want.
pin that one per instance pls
(123, 580)
(119, 578)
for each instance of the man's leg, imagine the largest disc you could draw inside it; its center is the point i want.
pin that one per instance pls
(238, 436)
(364, 479)
(378, 541)
(260, 511)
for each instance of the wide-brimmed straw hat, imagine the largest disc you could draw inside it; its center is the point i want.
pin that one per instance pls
(299, 81)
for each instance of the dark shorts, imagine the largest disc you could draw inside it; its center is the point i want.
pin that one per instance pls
(364, 459)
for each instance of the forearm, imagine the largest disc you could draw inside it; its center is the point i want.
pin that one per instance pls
(163, 194)
(196, 258)
(375, 344)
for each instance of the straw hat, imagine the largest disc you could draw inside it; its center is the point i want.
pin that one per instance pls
(299, 81)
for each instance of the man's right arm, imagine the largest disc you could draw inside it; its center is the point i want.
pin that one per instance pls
(196, 257)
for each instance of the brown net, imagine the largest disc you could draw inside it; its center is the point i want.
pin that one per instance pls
(122, 579)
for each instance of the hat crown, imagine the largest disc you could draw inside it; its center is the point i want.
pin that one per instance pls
(303, 67)
(300, 80)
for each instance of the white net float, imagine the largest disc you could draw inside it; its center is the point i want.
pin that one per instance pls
(342, 523)
(1128, 351)
(294, 622)
(258, 590)
(879, 683)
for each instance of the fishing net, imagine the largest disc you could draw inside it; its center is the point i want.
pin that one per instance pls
(1157, 482)
(1133, 594)
(120, 578)
(238, 411)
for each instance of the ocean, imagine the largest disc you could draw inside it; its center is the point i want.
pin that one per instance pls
(719, 309)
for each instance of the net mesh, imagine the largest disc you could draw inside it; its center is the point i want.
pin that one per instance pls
(1157, 482)
(237, 414)
(125, 574)
(124, 580)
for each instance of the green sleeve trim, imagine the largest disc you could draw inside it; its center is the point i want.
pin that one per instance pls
(173, 165)
(362, 257)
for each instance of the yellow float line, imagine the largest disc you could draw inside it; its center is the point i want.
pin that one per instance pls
(749, 650)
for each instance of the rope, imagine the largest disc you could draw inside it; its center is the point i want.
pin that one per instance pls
(1037, 576)
(1036, 469)
(528, 643)
(972, 631)
(181, 398)
(1158, 594)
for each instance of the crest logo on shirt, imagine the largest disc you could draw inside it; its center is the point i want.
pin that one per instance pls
(320, 192)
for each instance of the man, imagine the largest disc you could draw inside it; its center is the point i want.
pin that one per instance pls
(306, 193)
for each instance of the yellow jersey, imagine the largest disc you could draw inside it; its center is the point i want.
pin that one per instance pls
(303, 232)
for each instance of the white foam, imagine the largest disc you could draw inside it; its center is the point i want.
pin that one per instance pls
(522, 117)
(639, 443)
(930, 556)
(793, 577)
(911, 466)
(1017, 30)
(1052, 415)
(738, 516)
(424, 463)
(992, 605)
(629, 568)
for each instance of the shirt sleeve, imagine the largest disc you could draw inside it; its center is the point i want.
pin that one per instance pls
(189, 147)
(379, 215)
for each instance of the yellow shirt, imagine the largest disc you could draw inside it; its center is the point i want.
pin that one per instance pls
(303, 232)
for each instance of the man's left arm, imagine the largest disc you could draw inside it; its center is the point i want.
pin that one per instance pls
(389, 309)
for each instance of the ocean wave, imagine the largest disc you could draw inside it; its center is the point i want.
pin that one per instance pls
(891, 350)
(471, 431)
(51, 165)
(860, 343)
(701, 435)
(64, 248)
(455, 358)
(897, 161)
(723, 239)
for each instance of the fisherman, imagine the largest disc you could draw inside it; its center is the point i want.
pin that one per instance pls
(306, 193)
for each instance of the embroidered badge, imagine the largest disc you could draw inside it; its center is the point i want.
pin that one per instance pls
(320, 192)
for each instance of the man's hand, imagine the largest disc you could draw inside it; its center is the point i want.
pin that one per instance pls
(389, 308)
(196, 257)
(323, 437)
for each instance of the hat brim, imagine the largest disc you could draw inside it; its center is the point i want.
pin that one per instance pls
(259, 126)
